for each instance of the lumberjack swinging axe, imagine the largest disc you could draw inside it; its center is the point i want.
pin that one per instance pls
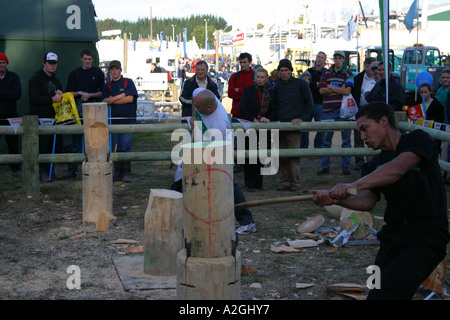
(350, 192)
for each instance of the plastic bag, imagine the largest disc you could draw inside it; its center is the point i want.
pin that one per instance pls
(348, 107)
(66, 111)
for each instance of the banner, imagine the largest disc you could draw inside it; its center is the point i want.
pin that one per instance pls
(351, 28)
(46, 121)
(15, 123)
(161, 36)
(184, 42)
(413, 13)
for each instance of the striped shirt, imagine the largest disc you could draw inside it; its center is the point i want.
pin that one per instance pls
(342, 78)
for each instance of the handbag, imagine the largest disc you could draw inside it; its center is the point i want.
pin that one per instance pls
(349, 108)
(66, 111)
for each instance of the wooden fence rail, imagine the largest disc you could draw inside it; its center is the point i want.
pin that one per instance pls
(30, 131)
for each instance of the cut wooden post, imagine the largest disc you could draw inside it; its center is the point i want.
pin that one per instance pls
(208, 203)
(96, 135)
(163, 232)
(209, 265)
(103, 221)
(97, 169)
(208, 278)
(97, 190)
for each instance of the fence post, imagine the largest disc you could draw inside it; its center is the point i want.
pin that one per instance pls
(30, 153)
(400, 116)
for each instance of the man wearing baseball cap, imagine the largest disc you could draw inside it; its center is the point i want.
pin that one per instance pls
(45, 89)
(121, 95)
(335, 83)
(10, 92)
(291, 101)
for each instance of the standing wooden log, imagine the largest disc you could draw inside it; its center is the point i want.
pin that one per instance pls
(208, 278)
(97, 190)
(96, 135)
(208, 202)
(163, 232)
(209, 266)
(97, 169)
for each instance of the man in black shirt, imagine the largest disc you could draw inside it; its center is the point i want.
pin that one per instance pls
(86, 84)
(45, 89)
(414, 239)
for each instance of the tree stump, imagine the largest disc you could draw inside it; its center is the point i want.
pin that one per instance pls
(208, 278)
(209, 265)
(163, 232)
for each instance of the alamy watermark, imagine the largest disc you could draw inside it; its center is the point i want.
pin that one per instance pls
(374, 281)
(74, 280)
(262, 146)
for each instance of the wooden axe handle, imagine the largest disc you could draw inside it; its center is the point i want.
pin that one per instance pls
(350, 192)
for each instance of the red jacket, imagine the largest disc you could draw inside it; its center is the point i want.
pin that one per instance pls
(244, 79)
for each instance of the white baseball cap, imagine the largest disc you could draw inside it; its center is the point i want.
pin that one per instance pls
(51, 57)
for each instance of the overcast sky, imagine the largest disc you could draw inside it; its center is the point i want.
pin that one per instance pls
(239, 12)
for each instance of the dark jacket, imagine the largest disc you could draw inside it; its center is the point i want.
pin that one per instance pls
(188, 89)
(396, 93)
(290, 100)
(41, 89)
(250, 106)
(315, 78)
(10, 92)
(435, 111)
(356, 90)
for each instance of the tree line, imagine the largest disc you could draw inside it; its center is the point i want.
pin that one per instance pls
(140, 29)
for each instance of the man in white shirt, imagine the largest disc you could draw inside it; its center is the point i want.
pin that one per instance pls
(214, 117)
(212, 113)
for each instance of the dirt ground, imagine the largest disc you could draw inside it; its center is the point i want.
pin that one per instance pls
(42, 236)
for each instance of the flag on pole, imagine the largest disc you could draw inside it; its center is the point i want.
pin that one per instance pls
(161, 40)
(351, 27)
(384, 19)
(184, 41)
(413, 13)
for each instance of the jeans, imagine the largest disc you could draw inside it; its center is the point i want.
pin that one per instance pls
(243, 216)
(123, 141)
(328, 138)
(317, 115)
(77, 147)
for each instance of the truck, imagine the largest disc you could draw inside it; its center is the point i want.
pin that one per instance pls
(416, 59)
(300, 59)
(377, 53)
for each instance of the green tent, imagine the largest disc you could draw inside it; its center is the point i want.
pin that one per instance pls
(30, 28)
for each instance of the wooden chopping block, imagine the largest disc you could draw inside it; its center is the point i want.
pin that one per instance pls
(436, 279)
(334, 210)
(351, 217)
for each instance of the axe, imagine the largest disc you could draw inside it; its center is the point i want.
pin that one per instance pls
(350, 192)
